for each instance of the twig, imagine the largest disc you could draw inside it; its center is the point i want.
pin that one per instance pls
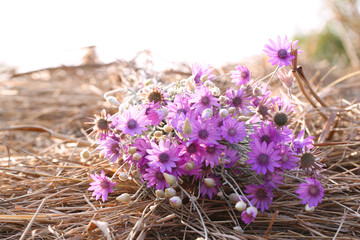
(271, 223)
(341, 223)
(33, 219)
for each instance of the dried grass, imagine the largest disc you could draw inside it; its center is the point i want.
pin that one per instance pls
(43, 191)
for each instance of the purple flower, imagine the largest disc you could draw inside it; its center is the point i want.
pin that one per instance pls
(271, 179)
(155, 177)
(192, 151)
(205, 133)
(199, 70)
(154, 113)
(178, 110)
(239, 100)
(232, 130)
(241, 75)
(212, 154)
(230, 158)
(163, 156)
(210, 191)
(259, 195)
(280, 51)
(288, 161)
(301, 145)
(263, 157)
(132, 121)
(110, 147)
(266, 133)
(311, 192)
(101, 186)
(249, 215)
(203, 99)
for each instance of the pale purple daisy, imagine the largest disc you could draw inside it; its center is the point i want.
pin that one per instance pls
(230, 158)
(288, 161)
(239, 100)
(203, 99)
(212, 154)
(311, 192)
(241, 75)
(132, 121)
(155, 177)
(163, 156)
(154, 113)
(266, 133)
(249, 215)
(232, 130)
(210, 191)
(205, 133)
(110, 147)
(301, 145)
(273, 179)
(192, 152)
(263, 157)
(178, 110)
(199, 70)
(101, 186)
(280, 51)
(260, 196)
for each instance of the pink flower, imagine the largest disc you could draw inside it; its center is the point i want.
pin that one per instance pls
(260, 196)
(132, 121)
(311, 192)
(263, 157)
(101, 186)
(241, 75)
(279, 52)
(249, 215)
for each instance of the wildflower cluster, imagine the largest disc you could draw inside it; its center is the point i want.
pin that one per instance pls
(192, 131)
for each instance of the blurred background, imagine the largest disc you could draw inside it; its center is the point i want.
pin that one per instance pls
(40, 34)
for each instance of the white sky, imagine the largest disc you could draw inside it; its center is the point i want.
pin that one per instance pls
(37, 34)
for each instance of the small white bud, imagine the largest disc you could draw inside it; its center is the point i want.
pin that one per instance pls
(238, 229)
(132, 150)
(209, 182)
(309, 209)
(85, 154)
(223, 113)
(257, 91)
(168, 128)
(170, 192)
(160, 193)
(220, 194)
(136, 156)
(231, 110)
(158, 134)
(124, 198)
(240, 206)
(190, 165)
(223, 100)
(175, 202)
(113, 101)
(209, 84)
(123, 176)
(187, 128)
(215, 91)
(234, 198)
(190, 84)
(242, 119)
(170, 179)
(207, 113)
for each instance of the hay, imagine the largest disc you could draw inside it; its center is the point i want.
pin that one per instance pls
(43, 191)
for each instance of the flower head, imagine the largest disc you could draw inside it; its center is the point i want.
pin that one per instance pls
(279, 52)
(101, 186)
(249, 215)
(110, 147)
(288, 161)
(203, 99)
(132, 121)
(300, 144)
(232, 130)
(239, 100)
(212, 154)
(210, 191)
(199, 70)
(163, 156)
(263, 157)
(155, 177)
(311, 192)
(260, 196)
(241, 75)
(205, 133)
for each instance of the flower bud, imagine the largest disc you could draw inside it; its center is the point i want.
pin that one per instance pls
(113, 101)
(209, 84)
(209, 182)
(231, 110)
(242, 119)
(223, 100)
(123, 176)
(170, 179)
(132, 150)
(158, 134)
(190, 165)
(309, 209)
(175, 202)
(257, 91)
(220, 194)
(168, 128)
(207, 113)
(238, 229)
(187, 128)
(136, 156)
(124, 198)
(160, 193)
(204, 77)
(240, 206)
(234, 198)
(190, 84)
(85, 154)
(170, 192)
(215, 91)
(223, 113)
